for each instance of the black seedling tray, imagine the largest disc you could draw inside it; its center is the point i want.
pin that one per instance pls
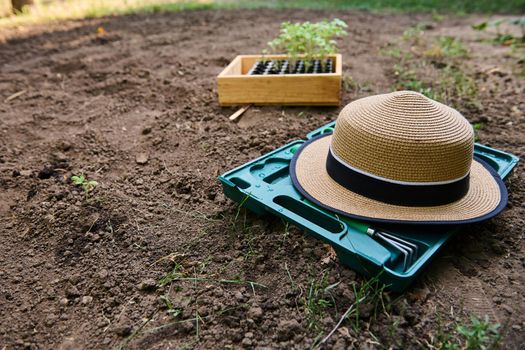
(271, 67)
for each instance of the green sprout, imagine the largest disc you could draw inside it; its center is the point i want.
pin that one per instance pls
(505, 38)
(480, 334)
(87, 185)
(317, 300)
(309, 41)
(172, 310)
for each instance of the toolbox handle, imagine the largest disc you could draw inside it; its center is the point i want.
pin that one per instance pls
(309, 218)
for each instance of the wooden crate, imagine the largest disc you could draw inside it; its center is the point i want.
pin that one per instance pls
(235, 87)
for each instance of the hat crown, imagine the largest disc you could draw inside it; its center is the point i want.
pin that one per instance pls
(404, 136)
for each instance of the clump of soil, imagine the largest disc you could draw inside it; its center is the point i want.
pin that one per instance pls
(156, 256)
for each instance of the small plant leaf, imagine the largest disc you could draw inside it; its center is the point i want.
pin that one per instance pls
(81, 180)
(480, 26)
(313, 41)
(78, 180)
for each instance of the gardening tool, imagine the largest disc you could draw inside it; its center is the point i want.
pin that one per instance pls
(263, 185)
(407, 249)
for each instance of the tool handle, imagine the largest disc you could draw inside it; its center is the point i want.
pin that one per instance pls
(359, 226)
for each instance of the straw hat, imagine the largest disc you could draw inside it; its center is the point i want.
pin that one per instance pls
(399, 157)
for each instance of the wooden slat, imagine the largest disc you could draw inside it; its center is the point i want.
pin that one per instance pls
(234, 68)
(239, 113)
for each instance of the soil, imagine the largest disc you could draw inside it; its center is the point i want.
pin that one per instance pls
(134, 107)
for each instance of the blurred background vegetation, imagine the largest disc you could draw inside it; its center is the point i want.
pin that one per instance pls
(50, 10)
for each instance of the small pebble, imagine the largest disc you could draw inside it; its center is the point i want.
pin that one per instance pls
(72, 292)
(247, 342)
(141, 158)
(507, 308)
(255, 313)
(238, 295)
(86, 299)
(148, 285)
(202, 311)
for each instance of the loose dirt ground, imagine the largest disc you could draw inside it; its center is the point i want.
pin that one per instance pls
(82, 272)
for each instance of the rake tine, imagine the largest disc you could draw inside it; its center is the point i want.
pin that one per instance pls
(407, 253)
(408, 249)
(407, 244)
(407, 256)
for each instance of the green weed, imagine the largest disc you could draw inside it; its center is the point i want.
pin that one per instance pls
(519, 68)
(436, 17)
(247, 232)
(370, 292)
(48, 11)
(171, 309)
(479, 334)
(175, 274)
(413, 34)
(476, 127)
(293, 285)
(204, 264)
(252, 284)
(504, 38)
(317, 300)
(448, 83)
(392, 333)
(407, 80)
(455, 84)
(447, 46)
(249, 239)
(286, 232)
(122, 345)
(350, 84)
(451, 86)
(87, 185)
(392, 51)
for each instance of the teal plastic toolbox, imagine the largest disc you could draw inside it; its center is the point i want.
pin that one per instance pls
(264, 186)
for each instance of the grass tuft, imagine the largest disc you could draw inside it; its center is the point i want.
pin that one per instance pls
(370, 292)
(434, 71)
(317, 300)
(44, 11)
(446, 46)
(478, 334)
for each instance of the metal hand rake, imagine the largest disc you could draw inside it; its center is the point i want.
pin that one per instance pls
(407, 249)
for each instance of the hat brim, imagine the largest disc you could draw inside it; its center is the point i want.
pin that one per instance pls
(487, 195)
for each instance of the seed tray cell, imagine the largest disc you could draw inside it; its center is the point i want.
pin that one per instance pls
(264, 186)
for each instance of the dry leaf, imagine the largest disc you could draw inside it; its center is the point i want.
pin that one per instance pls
(331, 255)
(101, 31)
(344, 332)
